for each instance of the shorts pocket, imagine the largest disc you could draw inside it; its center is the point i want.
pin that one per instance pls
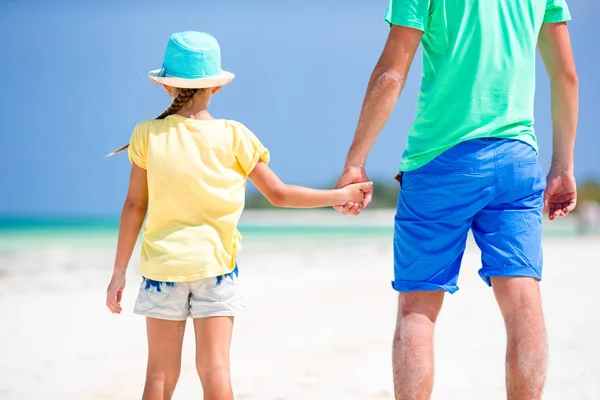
(226, 286)
(153, 294)
(526, 163)
(418, 180)
(410, 178)
(449, 169)
(435, 169)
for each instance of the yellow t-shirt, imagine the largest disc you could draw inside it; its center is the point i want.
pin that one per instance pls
(197, 172)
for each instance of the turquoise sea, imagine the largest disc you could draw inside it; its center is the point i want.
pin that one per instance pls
(30, 233)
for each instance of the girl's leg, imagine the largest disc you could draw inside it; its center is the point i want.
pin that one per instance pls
(165, 342)
(213, 340)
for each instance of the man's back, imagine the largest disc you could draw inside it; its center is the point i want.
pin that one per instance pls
(478, 70)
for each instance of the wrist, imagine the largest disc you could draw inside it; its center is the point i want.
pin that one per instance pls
(354, 159)
(354, 165)
(339, 197)
(120, 268)
(562, 164)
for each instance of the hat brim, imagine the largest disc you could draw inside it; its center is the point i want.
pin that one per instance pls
(199, 83)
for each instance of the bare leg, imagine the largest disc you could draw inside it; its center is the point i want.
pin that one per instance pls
(413, 344)
(527, 349)
(213, 341)
(165, 342)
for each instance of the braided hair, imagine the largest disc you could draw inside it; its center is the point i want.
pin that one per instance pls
(183, 98)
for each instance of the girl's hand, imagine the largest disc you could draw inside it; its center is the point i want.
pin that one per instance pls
(114, 293)
(353, 175)
(355, 192)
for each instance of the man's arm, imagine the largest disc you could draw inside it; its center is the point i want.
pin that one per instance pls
(555, 48)
(385, 85)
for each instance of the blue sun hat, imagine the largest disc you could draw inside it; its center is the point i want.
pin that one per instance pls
(192, 61)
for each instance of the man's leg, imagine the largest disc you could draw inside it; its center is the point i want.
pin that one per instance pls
(412, 355)
(509, 233)
(527, 349)
(436, 206)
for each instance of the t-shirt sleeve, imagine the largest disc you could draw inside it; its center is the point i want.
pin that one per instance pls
(138, 146)
(409, 13)
(248, 149)
(556, 11)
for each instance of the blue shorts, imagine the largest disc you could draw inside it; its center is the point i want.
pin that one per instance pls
(493, 187)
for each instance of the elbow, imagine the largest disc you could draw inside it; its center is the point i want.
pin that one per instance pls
(566, 78)
(279, 196)
(135, 206)
(572, 79)
(388, 78)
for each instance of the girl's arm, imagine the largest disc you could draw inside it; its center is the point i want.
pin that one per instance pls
(132, 217)
(283, 195)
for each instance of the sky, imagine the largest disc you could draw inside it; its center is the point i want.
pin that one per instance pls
(74, 84)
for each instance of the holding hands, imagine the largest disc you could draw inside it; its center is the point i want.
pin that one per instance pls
(354, 177)
(354, 193)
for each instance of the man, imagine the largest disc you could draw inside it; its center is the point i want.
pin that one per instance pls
(471, 164)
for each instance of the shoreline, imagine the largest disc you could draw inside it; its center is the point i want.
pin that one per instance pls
(304, 226)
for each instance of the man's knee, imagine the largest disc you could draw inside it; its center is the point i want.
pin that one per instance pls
(517, 296)
(422, 304)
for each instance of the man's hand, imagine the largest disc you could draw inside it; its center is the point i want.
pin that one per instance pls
(560, 197)
(354, 175)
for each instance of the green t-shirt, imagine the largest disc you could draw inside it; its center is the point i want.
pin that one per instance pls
(478, 70)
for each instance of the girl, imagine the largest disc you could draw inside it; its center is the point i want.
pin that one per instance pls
(188, 175)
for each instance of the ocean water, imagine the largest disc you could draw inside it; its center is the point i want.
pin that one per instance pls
(22, 235)
(31, 233)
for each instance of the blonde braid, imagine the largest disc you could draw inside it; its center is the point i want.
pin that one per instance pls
(184, 97)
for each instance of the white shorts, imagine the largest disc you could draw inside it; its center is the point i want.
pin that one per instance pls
(221, 296)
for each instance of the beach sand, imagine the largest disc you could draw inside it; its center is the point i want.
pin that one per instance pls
(322, 314)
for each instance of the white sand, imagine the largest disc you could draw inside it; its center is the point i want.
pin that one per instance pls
(320, 327)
